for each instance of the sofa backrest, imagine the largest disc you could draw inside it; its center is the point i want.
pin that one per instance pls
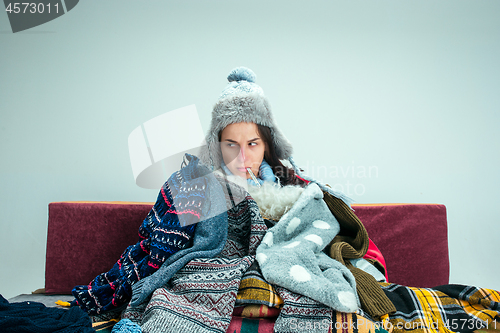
(85, 239)
(413, 239)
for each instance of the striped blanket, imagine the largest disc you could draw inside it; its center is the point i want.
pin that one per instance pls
(254, 290)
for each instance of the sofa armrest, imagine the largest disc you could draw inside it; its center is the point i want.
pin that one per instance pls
(413, 239)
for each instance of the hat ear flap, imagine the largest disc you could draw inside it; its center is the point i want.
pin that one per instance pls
(282, 146)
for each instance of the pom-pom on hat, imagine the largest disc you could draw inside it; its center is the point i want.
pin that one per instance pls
(241, 80)
(242, 101)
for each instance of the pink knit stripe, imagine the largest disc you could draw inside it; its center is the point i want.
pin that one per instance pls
(187, 211)
(153, 265)
(165, 197)
(143, 248)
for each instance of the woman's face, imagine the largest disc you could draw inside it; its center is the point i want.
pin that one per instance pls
(242, 147)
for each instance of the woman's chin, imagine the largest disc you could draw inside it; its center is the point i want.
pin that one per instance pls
(243, 175)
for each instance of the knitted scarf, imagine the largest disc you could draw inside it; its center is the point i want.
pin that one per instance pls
(352, 243)
(167, 240)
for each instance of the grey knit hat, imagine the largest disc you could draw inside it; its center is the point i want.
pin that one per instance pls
(241, 101)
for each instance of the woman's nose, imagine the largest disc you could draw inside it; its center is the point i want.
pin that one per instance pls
(242, 155)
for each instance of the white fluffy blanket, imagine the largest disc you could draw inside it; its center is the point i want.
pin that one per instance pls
(274, 201)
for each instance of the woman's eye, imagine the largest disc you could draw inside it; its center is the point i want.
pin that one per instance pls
(253, 143)
(231, 145)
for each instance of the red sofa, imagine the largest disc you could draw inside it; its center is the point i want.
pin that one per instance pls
(86, 238)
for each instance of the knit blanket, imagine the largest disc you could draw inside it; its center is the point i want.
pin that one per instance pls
(187, 221)
(201, 296)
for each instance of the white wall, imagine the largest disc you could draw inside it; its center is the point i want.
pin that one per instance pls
(405, 89)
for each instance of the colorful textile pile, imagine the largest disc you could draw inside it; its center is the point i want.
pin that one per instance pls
(201, 296)
(218, 281)
(167, 229)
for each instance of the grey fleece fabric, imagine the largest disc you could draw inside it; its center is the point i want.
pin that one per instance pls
(290, 255)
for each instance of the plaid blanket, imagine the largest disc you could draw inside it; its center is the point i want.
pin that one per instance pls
(448, 308)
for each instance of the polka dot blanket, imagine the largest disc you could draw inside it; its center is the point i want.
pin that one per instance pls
(291, 254)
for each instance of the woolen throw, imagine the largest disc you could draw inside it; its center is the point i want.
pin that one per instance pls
(200, 297)
(190, 197)
(352, 243)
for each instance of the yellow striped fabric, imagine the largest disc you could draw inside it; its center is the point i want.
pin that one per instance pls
(258, 291)
(449, 308)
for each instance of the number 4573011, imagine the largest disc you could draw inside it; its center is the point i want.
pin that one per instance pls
(462, 323)
(30, 7)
